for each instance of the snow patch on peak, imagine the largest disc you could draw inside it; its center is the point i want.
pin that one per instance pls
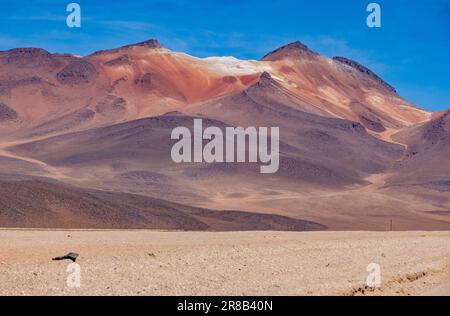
(232, 66)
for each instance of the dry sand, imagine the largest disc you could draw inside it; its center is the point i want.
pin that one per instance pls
(244, 263)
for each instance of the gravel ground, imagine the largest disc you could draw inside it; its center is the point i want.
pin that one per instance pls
(242, 263)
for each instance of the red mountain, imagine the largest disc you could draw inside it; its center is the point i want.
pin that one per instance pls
(85, 142)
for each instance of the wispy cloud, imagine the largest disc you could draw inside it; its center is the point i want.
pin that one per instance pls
(127, 25)
(42, 17)
(7, 42)
(332, 47)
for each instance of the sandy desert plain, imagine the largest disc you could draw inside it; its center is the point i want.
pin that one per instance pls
(211, 263)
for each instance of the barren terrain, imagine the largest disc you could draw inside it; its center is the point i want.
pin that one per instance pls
(243, 263)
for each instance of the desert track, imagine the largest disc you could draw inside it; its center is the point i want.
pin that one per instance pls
(50, 171)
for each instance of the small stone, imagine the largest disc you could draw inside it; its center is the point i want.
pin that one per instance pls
(70, 256)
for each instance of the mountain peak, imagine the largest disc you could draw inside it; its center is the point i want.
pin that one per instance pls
(151, 44)
(292, 50)
(357, 66)
(265, 76)
(265, 79)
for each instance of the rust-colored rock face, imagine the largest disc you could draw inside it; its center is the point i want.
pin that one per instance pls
(77, 72)
(154, 80)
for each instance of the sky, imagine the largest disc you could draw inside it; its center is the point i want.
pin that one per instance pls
(411, 49)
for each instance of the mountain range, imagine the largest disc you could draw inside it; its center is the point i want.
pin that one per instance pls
(85, 143)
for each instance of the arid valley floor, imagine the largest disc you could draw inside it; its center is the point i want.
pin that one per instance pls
(243, 263)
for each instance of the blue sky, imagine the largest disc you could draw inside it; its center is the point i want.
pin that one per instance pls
(411, 50)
